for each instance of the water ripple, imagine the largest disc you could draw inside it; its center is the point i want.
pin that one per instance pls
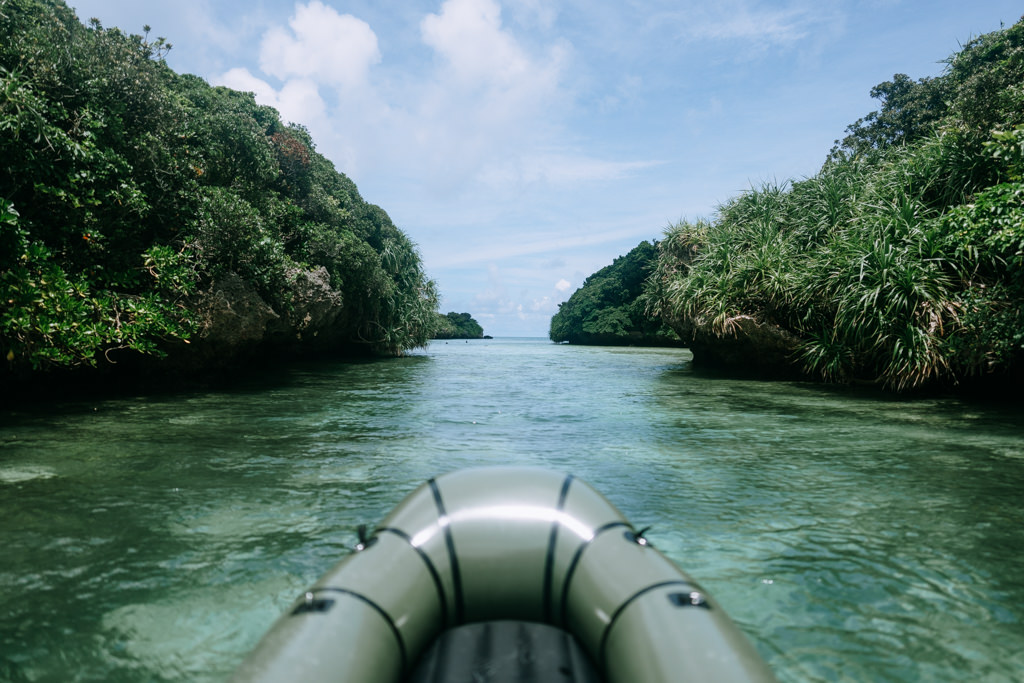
(853, 537)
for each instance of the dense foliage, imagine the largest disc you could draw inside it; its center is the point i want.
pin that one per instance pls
(457, 326)
(127, 189)
(606, 309)
(901, 260)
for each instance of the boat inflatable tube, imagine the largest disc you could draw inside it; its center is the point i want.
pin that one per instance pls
(505, 543)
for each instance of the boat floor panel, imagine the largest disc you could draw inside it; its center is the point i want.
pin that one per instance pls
(505, 652)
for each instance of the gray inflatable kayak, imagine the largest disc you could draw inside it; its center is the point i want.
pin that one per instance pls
(505, 574)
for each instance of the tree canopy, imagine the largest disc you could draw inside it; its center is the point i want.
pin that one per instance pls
(458, 326)
(127, 189)
(606, 310)
(901, 261)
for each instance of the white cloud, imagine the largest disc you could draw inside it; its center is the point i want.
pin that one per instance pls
(563, 285)
(242, 79)
(495, 298)
(488, 102)
(496, 302)
(544, 305)
(468, 34)
(780, 26)
(488, 115)
(754, 24)
(515, 244)
(560, 169)
(534, 13)
(298, 101)
(322, 45)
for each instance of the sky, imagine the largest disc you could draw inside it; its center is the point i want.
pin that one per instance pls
(525, 144)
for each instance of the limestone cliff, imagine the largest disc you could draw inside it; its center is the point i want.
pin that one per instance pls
(235, 322)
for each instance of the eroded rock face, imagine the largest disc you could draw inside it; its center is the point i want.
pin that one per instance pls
(236, 330)
(235, 322)
(233, 316)
(316, 308)
(748, 347)
(755, 348)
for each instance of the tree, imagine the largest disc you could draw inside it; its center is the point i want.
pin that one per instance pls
(458, 326)
(607, 309)
(898, 263)
(127, 191)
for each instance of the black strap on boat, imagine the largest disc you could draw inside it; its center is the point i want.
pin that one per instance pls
(452, 556)
(575, 563)
(626, 603)
(438, 585)
(549, 561)
(381, 611)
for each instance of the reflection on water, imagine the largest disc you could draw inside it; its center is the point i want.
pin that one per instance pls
(853, 537)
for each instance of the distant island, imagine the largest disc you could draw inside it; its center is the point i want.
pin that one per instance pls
(458, 326)
(608, 310)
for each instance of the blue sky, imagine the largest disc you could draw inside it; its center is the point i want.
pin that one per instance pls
(524, 144)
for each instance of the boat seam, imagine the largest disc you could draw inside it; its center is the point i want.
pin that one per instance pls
(438, 585)
(380, 610)
(549, 560)
(452, 556)
(571, 572)
(626, 603)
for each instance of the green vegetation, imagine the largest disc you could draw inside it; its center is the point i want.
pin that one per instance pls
(127, 190)
(457, 326)
(606, 309)
(901, 260)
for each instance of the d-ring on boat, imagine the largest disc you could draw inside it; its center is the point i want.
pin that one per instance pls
(505, 574)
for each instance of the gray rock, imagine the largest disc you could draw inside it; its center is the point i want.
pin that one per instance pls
(236, 323)
(747, 346)
(316, 307)
(232, 315)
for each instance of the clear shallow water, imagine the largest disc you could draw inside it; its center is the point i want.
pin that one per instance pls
(852, 537)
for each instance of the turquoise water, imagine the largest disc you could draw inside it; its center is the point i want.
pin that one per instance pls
(853, 537)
